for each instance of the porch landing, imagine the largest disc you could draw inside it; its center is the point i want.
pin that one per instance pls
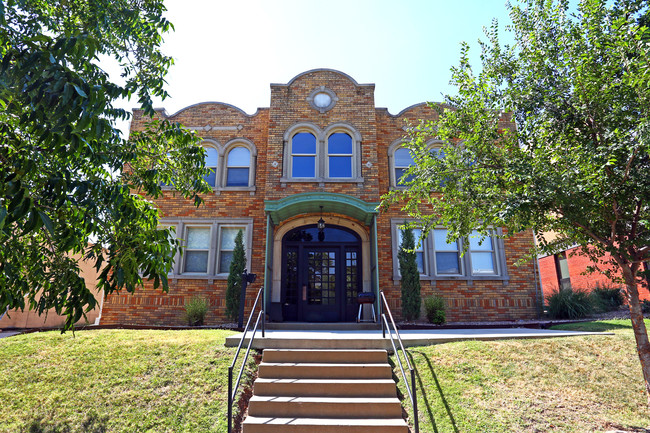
(372, 339)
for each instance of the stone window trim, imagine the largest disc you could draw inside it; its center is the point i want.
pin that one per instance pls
(215, 225)
(321, 153)
(466, 265)
(322, 89)
(400, 144)
(223, 160)
(221, 173)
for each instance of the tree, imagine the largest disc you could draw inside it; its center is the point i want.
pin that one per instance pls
(70, 184)
(237, 267)
(410, 282)
(552, 134)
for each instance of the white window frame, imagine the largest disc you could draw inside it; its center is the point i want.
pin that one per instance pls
(465, 264)
(401, 144)
(215, 225)
(321, 172)
(186, 231)
(218, 248)
(232, 144)
(458, 251)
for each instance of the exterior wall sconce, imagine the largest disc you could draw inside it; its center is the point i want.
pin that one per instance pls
(321, 226)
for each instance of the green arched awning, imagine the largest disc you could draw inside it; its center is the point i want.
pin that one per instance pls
(307, 203)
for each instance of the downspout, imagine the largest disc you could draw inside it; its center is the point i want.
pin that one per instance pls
(268, 263)
(375, 258)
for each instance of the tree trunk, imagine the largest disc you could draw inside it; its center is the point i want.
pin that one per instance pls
(638, 325)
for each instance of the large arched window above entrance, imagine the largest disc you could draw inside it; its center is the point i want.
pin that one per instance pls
(330, 155)
(304, 155)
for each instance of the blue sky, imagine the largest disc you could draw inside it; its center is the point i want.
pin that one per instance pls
(230, 51)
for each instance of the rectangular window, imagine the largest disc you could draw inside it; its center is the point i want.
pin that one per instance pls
(197, 249)
(482, 254)
(562, 267)
(227, 247)
(447, 255)
(419, 250)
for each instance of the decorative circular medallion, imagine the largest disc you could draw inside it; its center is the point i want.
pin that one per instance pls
(322, 100)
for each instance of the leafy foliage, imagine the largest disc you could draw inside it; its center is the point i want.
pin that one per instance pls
(410, 283)
(237, 267)
(70, 185)
(606, 298)
(195, 311)
(555, 134)
(569, 304)
(435, 309)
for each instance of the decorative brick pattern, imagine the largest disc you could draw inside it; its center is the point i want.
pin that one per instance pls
(480, 300)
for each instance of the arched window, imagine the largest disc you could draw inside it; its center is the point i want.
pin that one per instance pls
(303, 155)
(402, 160)
(238, 167)
(339, 155)
(211, 162)
(329, 155)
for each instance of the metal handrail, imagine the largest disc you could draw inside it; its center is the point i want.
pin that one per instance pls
(233, 391)
(410, 390)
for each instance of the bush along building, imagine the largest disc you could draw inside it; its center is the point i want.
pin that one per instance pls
(322, 152)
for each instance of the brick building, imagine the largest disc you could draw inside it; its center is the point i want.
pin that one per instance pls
(569, 269)
(321, 150)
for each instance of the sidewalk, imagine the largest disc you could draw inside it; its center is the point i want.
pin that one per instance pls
(371, 339)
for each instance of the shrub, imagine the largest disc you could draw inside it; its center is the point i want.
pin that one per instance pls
(408, 269)
(606, 298)
(195, 311)
(569, 304)
(237, 267)
(434, 307)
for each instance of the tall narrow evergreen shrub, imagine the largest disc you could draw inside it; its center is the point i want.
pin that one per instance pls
(237, 266)
(410, 283)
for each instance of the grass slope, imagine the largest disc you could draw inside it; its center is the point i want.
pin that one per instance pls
(114, 381)
(573, 384)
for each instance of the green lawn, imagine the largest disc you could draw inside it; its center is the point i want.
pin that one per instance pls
(175, 381)
(574, 384)
(114, 381)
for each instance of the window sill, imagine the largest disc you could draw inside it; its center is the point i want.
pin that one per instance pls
(321, 180)
(458, 278)
(190, 276)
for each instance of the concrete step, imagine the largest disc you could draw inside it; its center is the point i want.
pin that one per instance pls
(324, 407)
(327, 326)
(254, 424)
(312, 370)
(325, 387)
(321, 356)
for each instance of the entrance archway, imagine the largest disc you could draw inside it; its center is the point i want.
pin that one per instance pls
(321, 274)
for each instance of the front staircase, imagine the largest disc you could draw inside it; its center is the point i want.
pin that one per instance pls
(324, 391)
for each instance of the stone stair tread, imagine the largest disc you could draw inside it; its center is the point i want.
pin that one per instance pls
(339, 400)
(326, 364)
(375, 422)
(323, 381)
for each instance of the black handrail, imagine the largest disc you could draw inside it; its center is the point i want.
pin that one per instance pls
(233, 391)
(410, 390)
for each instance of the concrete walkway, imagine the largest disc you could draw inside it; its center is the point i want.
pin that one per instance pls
(371, 339)
(4, 334)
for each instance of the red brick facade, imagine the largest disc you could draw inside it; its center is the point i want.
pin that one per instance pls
(578, 275)
(512, 294)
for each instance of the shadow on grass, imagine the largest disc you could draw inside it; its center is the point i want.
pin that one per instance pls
(597, 326)
(424, 395)
(92, 424)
